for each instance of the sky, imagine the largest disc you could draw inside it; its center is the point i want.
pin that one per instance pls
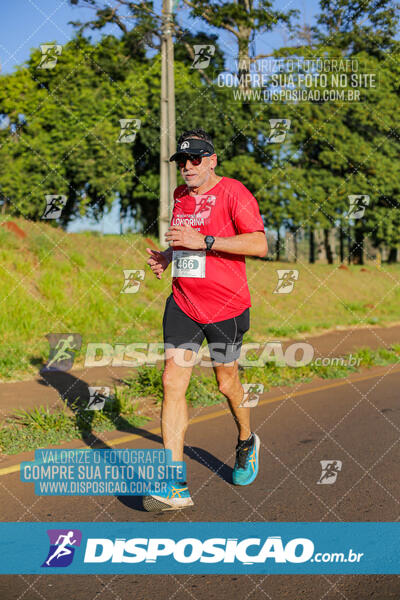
(25, 24)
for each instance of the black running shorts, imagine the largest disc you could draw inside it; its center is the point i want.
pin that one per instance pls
(224, 337)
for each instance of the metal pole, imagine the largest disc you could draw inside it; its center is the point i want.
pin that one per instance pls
(164, 178)
(167, 125)
(171, 107)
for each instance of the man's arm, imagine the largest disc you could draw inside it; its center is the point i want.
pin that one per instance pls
(168, 254)
(246, 244)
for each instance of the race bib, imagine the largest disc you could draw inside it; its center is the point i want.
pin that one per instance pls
(188, 263)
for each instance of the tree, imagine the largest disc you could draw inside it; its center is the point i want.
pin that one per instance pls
(244, 19)
(61, 130)
(63, 127)
(358, 25)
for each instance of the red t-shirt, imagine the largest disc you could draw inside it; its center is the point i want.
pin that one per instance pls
(223, 293)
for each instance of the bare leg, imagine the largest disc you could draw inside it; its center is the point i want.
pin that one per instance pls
(174, 413)
(227, 376)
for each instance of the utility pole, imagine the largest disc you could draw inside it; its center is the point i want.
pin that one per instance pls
(167, 124)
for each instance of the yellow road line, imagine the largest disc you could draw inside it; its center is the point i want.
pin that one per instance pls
(219, 413)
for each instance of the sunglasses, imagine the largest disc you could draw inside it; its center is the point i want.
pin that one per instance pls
(195, 160)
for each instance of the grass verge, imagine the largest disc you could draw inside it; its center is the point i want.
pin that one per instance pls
(55, 282)
(40, 427)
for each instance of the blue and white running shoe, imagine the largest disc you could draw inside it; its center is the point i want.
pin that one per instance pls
(246, 465)
(175, 497)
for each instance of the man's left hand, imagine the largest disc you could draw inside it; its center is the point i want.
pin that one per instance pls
(186, 236)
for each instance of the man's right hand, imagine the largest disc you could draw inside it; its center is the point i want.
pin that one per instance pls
(158, 262)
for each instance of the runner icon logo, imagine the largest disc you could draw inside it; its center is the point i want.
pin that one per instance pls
(98, 397)
(196, 212)
(203, 55)
(252, 393)
(129, 129)
(63, 347)
(62, 547)
(133, 277)
(286, 280)
(54, 206)
(330, 470)
(50, 54)
(357, 206)
(204, 205)
(279, 129)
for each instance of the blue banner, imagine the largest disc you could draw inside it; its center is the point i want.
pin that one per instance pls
(205, 548)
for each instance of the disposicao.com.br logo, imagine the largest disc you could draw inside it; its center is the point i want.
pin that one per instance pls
(210, 548)
(247, 551)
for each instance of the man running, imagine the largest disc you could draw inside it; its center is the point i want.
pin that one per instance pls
(215, 223)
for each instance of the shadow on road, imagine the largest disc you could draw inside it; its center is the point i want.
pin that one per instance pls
(70, 388)
(74, 392)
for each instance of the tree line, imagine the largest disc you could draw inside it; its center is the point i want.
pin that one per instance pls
(60, 128)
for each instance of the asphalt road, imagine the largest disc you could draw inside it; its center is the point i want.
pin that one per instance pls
(356, 421)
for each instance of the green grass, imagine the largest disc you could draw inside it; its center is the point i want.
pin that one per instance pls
(203, 391)
(272, 375)
(147, 381)
(40, 427)
(52, 281)
(288, 331)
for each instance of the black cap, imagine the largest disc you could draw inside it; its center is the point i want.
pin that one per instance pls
(193, 146)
